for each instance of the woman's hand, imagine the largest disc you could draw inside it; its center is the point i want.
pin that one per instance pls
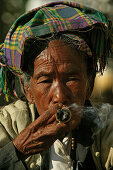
(40, 134)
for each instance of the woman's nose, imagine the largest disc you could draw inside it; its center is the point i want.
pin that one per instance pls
(60, 93)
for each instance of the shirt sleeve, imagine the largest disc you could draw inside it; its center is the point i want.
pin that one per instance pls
(9, 159)
(102, 148)
(11, 124)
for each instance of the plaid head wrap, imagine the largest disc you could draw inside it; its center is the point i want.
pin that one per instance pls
(56, 17)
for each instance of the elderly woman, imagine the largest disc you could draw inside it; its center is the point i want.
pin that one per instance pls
(54, 52)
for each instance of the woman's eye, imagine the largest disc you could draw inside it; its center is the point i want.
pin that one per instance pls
(44, 81)
(73, 79)
(47, 81)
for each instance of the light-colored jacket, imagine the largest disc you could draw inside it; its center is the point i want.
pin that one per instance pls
(13, 119)
(16, 116)
(102, 148)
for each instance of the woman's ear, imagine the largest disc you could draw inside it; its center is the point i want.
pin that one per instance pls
(28, 93)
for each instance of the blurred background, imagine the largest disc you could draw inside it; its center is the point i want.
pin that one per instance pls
(10, 10)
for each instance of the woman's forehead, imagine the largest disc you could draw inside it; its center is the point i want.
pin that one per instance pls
(57, 51)
(60, 56)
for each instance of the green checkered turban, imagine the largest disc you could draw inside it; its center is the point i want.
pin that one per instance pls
(88, 25)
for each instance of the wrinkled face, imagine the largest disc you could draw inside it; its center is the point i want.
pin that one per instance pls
(60, 76)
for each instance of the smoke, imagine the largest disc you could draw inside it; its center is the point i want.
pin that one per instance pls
(94, 117)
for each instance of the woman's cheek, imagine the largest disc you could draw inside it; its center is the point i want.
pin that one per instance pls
(41, 97)
(74, 87)
(78, 91)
